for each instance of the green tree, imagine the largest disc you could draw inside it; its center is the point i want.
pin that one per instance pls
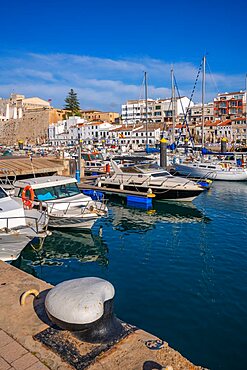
(72, 103)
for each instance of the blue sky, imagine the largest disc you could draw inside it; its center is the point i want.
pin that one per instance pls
(101, 48)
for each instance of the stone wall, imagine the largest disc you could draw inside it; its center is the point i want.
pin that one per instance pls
(32, 128)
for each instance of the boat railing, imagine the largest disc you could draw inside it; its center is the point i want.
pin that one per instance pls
(90, 206)
(120, 177)
(94, 205)
(31, 222)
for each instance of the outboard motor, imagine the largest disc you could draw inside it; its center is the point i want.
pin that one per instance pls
(85, 307)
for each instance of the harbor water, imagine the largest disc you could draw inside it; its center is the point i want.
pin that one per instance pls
(179, 270)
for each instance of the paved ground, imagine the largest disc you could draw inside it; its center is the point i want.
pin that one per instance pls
(13, 356)
(19, 324)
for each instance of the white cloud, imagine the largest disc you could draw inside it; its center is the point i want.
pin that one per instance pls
(102, 83)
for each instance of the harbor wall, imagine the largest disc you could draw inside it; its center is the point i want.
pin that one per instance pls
(31, 128)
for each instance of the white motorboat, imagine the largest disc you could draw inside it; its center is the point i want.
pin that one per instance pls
(67, 207)
(148, 177)
(18, 226)
(220, 170)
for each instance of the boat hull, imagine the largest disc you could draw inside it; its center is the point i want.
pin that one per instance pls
(161, 194)
(72, 222)
(11, 245)
(223, 175)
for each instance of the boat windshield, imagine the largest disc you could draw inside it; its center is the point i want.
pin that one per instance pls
(55, 192)
(148, 167)
(92, 156)
(161, 174)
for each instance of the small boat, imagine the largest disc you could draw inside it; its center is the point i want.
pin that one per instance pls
(18, 226)
(67, 207)
(147, 177)
(221, 170)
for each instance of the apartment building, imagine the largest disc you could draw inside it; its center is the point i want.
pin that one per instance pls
(230, 105)
(160, 110)
(135, 135)
(195, 113)
(134, 111)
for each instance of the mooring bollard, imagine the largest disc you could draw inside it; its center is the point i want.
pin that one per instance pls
(163, 153)
(85, 307)
(223, 145)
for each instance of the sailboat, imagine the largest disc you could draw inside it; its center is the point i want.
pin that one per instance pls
(216, 169)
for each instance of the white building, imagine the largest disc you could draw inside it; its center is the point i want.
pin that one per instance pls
(16, 105)
(137, 135)
(195, 113)
(64, 132)
(70, 131)
(95, 131)
(134, 111)
(160, 110)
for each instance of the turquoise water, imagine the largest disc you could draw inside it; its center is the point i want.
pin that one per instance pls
(179, 270)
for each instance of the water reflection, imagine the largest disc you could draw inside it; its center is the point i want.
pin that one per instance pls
(59, 246)
(126, 218)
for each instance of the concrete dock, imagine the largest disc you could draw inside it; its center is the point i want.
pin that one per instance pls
(19, 350)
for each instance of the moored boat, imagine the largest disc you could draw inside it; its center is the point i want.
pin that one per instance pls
(221, 170)
(18, 226)
(67, 207)
(148, 177)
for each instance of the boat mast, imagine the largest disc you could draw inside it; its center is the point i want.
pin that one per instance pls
(146, 105)
(203, 96)
(246, 109)
(173, 105)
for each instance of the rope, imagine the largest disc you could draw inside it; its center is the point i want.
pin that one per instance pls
(212, 77)
(191, 97)
(185, 115)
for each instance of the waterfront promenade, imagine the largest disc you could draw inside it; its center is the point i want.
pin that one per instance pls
(19, 324)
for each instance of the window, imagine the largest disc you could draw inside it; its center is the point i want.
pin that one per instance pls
(158, 107)
(161, 174)
(56, 192)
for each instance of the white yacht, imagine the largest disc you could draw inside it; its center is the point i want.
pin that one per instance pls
(148, 177)
(220, 170)
(67, 207)
(18, 226)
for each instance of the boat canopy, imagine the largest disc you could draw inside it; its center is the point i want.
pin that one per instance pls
(44, 182)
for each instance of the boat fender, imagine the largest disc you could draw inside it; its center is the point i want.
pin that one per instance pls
(28, 202)
(121, 187)
(27, 294)
(99, 184)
